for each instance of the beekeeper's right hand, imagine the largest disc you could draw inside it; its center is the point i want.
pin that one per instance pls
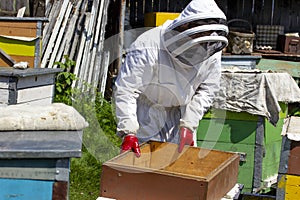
(130, 142)
(185, 138)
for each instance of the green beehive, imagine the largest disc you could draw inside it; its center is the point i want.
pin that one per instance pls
(253, 136)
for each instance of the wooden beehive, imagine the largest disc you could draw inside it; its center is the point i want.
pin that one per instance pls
(288, 186)
(154, 19)
(31, 86)
(288, 44)
(21, 39)
(162, 173)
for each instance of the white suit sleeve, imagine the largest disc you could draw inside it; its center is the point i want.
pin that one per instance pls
(133, 77)
(203, 98)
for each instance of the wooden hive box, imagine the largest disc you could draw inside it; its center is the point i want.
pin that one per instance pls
(162, 173)
(21, 39)
(153, 19)
(31, 86)
(35, 151)
(288, 186)
(239, 132)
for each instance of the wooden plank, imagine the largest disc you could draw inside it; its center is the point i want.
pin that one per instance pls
(277, 12)
(4, 82)
(70, 36)
(6, 58)
(76, 41)
(4, 95)
(232, 6)
(294, 158)
(7, 5)
(86, 66)
(285, 9)
(140, 13)
(39, 102)
(164, 6)
(148, 6)
(51, 42)
(133, 12)
(34, 81)
(247, 5)
(288, 187)
(59, 37)
(257, 11)
(78, 71)
(267, 12)
(103, 73)
(294, 16)
(49, 26)
(23, 3)
(17, 24)
(18, 46)
(26, 189)
(202, 170)
(292, 187)
(102, 61)
(21, 12)
(60, 190)
(48, 5)
(17, 58)
(18, 28)
(156, 5)
(31, 94)
(104, 198)
(94, 76)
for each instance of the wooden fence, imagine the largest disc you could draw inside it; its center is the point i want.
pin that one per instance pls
(257, 12)
(76, 28)
(34, 8)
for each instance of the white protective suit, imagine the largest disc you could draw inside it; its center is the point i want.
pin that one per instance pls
(168, 79)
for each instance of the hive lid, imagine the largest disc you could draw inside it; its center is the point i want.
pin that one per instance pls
(291, 128)
(11, 72)
(56, 116)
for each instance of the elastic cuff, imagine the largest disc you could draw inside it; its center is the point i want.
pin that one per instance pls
(186, 125)
(122, 134)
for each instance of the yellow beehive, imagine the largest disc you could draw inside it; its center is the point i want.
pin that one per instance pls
(154, 19)
(21, 39)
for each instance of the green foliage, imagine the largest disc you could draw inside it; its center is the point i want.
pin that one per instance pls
(100, 142)
(100, 136)
(85, 177)
(294, 109)
(64, 80)
(295, 112)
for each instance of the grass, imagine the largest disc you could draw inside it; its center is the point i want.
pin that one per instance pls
(85, 177)
(100, 144)
(99, 141)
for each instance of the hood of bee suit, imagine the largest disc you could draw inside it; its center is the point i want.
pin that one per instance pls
(198, 32)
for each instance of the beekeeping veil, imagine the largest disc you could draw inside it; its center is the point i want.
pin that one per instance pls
(198, 32)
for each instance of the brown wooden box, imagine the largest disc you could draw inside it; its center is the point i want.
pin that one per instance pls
(162, 173)
(290, 147)
(288, 44)
(21, 39)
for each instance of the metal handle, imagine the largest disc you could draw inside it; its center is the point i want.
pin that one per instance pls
(240, 20)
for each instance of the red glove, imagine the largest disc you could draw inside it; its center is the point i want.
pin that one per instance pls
(185, 138)
(130, 142)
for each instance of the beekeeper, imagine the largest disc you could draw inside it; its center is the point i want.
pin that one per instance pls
(169, 78)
